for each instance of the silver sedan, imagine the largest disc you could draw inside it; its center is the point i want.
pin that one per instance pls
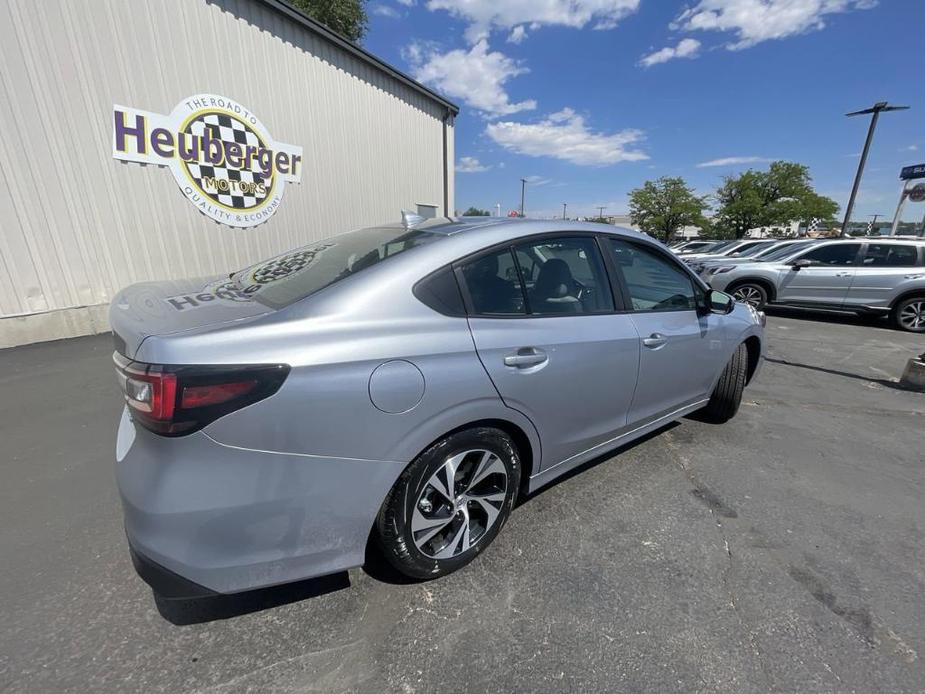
(403, 385)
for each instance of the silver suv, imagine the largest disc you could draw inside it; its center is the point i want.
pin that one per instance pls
(402, 384)
(882, 276)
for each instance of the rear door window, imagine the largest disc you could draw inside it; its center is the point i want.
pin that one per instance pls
(890, 255)
(564, 276)
(494, 285)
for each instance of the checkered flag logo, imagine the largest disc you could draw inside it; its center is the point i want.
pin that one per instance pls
(244, 185)
(283, 266)
(813, 224)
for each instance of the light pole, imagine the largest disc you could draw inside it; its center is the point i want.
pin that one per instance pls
(600, 210)
(564, 207)
(523, 188)
(874, 112)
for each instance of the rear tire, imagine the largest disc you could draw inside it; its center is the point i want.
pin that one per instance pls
(909, 314)
(449, 503)
(751, 293)
(727, 395)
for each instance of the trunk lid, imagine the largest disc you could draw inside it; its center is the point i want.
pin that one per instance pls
(161, 308)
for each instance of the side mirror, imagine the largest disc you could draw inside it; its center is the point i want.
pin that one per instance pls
(801, 263)
(720, 303)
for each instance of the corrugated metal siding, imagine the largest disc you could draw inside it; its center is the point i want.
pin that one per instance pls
(76, 225)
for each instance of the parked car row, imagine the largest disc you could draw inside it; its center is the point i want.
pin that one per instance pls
(884, 276)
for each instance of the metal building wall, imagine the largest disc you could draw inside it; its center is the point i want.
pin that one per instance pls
(76, 225)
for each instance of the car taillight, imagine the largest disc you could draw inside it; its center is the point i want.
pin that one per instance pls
(178, 400)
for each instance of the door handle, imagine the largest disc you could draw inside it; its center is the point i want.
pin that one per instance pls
(843, 274)
(654, 341)
(913, 277)
(526, 356)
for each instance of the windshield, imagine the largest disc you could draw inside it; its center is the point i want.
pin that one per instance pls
(296, 274)
(784, 251)
(751, 249)
(720, 245)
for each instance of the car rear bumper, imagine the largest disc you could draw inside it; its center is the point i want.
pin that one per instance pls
(165, 582)
(204, 518)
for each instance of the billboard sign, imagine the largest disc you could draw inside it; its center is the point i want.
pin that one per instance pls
(910, 172)
(222, 157)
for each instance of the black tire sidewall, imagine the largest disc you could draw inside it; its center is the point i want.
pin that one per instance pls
(395, 518)
(727, 394)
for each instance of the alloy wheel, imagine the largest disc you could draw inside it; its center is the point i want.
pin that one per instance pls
(912, 316)
(459, 504)
(748, 294)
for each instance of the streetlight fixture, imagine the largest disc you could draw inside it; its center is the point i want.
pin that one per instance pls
(874, 112)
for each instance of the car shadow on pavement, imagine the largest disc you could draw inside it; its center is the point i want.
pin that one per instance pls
(835, 317)
(526, 498)
(183, 612)
(885, 382)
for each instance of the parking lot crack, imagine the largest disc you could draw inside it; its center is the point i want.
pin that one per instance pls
(718, 510)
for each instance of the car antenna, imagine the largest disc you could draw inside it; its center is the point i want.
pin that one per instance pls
(410, 219)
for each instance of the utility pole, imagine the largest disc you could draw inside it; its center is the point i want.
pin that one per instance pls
(564, 207)
(523, 188)
(874, 112)
(601, 211)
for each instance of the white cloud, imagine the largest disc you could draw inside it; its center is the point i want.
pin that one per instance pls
(565, 136)
(754, 21)
(732, 161)
(686, 48)
(406, 3)
(476, 76)
(518, 34)
(470, 165)
(537, 181)
(910, 148)
(485, 15)
(385, 11)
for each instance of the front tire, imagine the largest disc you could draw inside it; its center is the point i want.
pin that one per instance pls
(727, 395)
(909, 314)
(751, 293)
(449, 503)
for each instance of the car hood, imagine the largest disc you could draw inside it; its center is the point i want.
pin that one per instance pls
(160, 308)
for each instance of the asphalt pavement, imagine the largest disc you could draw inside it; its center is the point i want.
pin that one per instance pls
(781, 552)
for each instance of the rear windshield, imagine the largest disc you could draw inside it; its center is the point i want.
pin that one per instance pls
(294, 275)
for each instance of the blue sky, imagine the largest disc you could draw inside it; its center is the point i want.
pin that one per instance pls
(589, 98)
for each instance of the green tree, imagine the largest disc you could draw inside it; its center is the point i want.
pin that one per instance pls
(347, 17)
(476, 212)
(776, 197)
(661, 208)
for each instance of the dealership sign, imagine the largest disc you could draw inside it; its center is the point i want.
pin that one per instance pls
(910, 172)
(917, 193)
(220, 154)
